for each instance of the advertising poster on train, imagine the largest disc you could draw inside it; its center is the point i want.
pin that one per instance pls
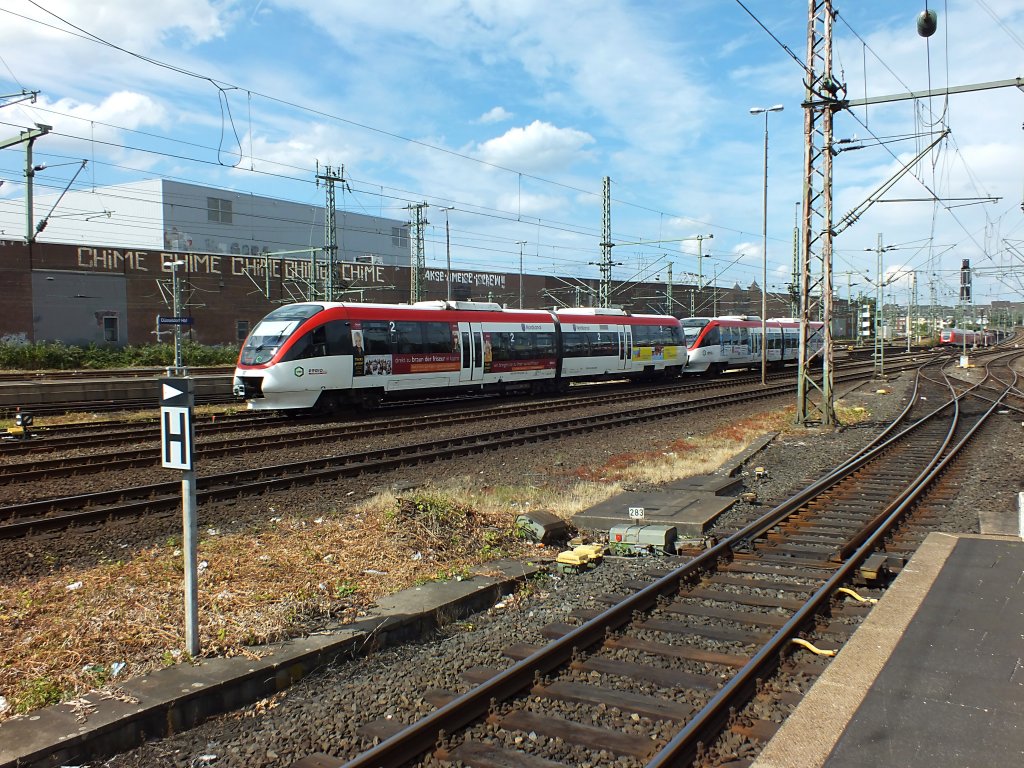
(649, 353)
(377, 365)
(358, 350)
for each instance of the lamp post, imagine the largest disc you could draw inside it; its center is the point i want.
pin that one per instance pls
(764, 243)
(448, 248)
(521, 243)
(700, 258)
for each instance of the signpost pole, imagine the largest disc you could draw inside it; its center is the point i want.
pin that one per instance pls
(177, 397)
(189, 548)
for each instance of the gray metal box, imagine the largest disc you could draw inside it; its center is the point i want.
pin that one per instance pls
(542, 526)
(643, 538)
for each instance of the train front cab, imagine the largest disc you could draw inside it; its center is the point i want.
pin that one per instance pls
(284, 359)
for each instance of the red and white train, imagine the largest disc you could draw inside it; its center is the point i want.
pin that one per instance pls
(328, 355)
(716, 344)
(957, 337)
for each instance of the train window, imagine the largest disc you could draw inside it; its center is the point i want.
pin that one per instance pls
(501, 346)
(339, 338)
(478, 349)
(642, 336)
(744, 335)
(602, 344)
(318, 342)
(465, 350)
(676, 335)
(110, 329)
(406, 337)
(300, 349)
(544, 344)
(522, 346)
(437, 337)
(575, 345)
(376, 337)
(712, 338)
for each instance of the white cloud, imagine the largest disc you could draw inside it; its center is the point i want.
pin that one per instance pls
(495, 115)
(538, 147)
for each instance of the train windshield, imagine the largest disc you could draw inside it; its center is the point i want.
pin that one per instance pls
(692, 327)
(273, 330)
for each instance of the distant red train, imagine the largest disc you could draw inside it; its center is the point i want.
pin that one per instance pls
(957, 337)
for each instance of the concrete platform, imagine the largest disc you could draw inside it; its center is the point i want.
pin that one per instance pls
(933, 677)
(180, 697)
(691, 512)
(52, 392)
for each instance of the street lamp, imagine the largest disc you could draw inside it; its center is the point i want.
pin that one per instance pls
(448, 248)
(520, 243)
(764, 243)
(700, 257)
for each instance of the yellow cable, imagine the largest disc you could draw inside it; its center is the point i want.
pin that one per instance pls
(813, 649)
(855, 596)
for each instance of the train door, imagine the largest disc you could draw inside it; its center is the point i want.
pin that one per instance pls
(471, 346)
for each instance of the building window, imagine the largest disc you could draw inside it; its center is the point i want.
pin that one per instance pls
(241, 329)
(400, 237)
(110, 329)
(218, 209)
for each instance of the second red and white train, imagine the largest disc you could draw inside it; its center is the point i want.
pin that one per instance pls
(716, 344)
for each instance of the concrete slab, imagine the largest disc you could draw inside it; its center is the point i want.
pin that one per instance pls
(735, 464)
(692, 513)
(716, 485)
(932, 677)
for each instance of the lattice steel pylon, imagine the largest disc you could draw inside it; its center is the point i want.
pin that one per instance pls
(419, 261)
(329, 176)
(814, 385)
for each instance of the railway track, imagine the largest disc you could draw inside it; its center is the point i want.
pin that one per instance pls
(115, 433)
(308, 431)
(679, 658)
(156, 498)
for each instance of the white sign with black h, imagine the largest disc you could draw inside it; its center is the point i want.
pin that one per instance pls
(176, 431)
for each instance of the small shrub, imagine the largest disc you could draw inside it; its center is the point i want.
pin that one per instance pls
(39, 692)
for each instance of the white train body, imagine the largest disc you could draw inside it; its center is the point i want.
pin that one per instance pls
(716, 344)
(327, 355)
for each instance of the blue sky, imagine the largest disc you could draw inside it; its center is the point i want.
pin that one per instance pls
(512, 111)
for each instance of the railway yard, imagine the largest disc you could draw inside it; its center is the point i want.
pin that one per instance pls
(306, 525)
